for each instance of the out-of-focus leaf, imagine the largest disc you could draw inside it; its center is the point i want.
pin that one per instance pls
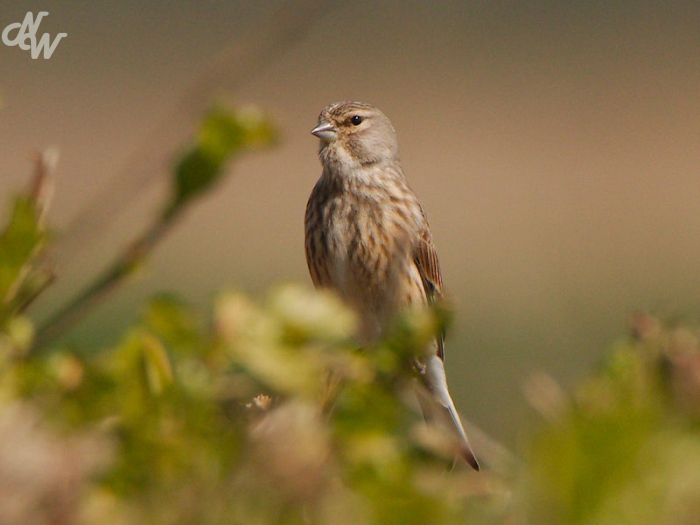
(308, 315)
(195, 173)
(223, 134)
(255, 340)
(19, 242)
(159, 372)
(614, 453)
(19, 334)
(173, 321)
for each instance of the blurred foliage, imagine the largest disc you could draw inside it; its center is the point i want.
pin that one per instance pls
(20, 242)
(625, 446)
(222, 135)
(266, 412)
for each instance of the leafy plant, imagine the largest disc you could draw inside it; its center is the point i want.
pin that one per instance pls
(266, 412)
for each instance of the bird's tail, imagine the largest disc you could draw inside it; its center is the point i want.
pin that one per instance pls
(438, 408)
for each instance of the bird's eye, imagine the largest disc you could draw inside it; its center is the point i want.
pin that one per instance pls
(356, 120)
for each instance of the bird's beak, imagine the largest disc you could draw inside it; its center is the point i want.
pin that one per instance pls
(325, 131)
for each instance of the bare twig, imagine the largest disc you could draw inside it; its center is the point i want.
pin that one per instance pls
(107, 282)
(42, 187)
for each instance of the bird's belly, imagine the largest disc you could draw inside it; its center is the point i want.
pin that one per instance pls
(370, 273)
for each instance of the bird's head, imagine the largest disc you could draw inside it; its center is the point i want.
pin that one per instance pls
(357, 133)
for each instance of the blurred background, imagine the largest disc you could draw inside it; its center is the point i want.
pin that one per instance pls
(555, 146)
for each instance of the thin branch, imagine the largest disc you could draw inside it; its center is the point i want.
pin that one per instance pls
(131, 258)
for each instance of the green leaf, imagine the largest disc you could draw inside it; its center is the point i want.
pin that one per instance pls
(19, 243)
(174, 322)
(224, 134)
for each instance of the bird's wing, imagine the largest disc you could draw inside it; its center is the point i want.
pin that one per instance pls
(429, 266)
(315, 240)
(439, 406)
(426, 259)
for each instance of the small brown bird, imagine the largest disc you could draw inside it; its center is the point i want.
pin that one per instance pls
(367, 238)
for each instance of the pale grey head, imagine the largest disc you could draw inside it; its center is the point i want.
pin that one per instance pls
(356, 132)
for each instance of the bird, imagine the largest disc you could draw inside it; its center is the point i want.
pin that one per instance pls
(367, 238)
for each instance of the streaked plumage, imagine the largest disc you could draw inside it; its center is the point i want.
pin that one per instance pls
(367, 236)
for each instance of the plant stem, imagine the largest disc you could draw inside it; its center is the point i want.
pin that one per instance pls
(131, 259)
